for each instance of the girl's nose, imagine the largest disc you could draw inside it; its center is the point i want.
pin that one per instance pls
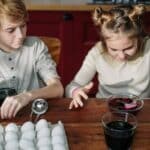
(121, 55)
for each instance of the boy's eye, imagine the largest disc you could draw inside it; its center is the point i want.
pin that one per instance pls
(23, 25)
(10, 30)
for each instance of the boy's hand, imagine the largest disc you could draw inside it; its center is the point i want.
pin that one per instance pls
(13, 104)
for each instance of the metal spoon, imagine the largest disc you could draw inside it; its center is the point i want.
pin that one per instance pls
(39, 107)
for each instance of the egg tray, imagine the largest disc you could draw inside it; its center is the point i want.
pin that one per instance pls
(40, 136)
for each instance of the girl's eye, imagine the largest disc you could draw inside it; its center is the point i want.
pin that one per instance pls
(113, 50)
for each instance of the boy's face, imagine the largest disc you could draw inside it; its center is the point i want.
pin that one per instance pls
(122, 48)
(12, 34)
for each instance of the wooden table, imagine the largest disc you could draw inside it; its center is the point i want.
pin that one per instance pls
(83, 126)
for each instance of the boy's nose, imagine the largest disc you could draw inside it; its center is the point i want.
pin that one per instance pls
(19, 33)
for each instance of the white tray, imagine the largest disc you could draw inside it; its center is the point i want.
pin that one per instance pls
(40, 136)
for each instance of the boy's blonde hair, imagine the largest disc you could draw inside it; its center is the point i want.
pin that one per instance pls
(15, 10)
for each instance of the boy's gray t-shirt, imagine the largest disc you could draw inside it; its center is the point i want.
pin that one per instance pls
(25, 68)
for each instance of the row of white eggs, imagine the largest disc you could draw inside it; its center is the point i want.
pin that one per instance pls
(42, 135)
(41, 126)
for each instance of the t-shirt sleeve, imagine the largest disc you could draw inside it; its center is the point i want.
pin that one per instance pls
(44, 64)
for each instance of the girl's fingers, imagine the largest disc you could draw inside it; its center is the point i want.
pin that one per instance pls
(71, 105)
(83, 95)
(76, 102)
(79, 102)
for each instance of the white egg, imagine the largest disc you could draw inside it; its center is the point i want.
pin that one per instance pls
(1, 138)
(24, 144)
(12, 145)
(30, 148)
(12, 127)
(29, 135)
(10, 136)
(45, 148)
(59, 147)
(1, 147)
(1, 129)
(44, 141)
(42, 123)
(43, 132)
(58, 139)
(58, 130)
(27, 126)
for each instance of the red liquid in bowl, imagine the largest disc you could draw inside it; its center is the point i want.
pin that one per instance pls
(124, 104)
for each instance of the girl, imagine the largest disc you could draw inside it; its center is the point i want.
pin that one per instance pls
(121, 59)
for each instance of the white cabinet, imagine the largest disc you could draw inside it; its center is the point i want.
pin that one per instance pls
(75, 1)
(57, 1)
(42, 1)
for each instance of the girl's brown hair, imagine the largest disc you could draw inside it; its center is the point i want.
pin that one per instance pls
(14, 9)
(121, 19)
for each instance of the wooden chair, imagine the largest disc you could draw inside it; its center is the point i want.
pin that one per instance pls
(54, 46)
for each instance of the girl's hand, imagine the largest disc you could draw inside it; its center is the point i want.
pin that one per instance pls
(79, 94)
(13, 104)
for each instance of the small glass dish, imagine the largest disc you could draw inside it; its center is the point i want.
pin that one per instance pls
(125, 103)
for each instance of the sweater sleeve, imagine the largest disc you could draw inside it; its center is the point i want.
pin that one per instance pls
(86, 72)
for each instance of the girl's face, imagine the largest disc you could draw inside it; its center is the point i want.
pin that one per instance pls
(121, 48)
(12, 34)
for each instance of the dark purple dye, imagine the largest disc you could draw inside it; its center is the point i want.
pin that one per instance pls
(120, 140)
(119, 103)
